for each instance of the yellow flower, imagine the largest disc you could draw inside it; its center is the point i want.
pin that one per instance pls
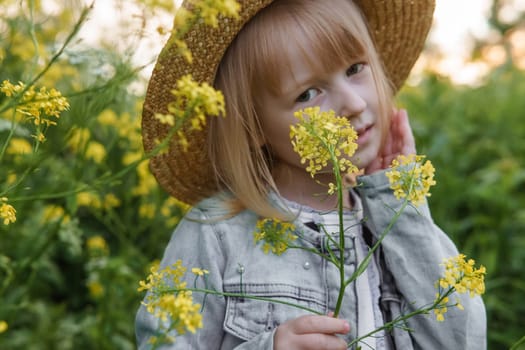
(277, 235)
(461, 276)
(172, 202)
(97, 245)
(40, 137)
(147, 210)
(96, 151)
(146, 183)
(108, 117)
(111, 201)
(169, 301)
(38, 105)
(411, 178)
(209, 10)
(180, 309)
(3, 326)
(441, 308)
(11, 178)
(78, 139)
(54, 212)
(157, 279)
(321, 138)
(7, 212)
(19, 146)
(167, 119)
(193, 103)
(199, 272)
(131, 157)
(88, 199)
(96, 289)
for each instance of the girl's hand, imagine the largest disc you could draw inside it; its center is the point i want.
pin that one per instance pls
(399, 140)
(311, 332)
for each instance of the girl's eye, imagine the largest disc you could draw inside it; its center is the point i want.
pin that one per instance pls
(308, 95)
(355, 68)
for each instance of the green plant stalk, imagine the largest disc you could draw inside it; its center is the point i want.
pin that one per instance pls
(13, 102)
(114, 176)
(518, 344)
(83, 16)
(241, 295)
(364, 264)
(9, 136)
(341, 261)
(390, 325)
(28, 262)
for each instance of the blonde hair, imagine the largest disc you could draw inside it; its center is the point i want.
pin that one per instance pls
(253, 64)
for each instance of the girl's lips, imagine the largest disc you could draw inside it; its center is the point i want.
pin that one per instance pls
(363, 134)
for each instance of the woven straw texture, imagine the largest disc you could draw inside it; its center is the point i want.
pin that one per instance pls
(398, 27)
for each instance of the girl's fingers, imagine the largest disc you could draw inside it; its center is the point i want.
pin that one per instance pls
(399, 140)
(319, 324)
(405, 132)
(320, 342)
(311, 332)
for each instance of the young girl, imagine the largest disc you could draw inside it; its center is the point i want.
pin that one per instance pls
(279, 57)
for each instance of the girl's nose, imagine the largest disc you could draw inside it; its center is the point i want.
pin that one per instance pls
(351, 101)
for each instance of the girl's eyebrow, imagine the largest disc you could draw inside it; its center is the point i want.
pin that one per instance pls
(298, 85)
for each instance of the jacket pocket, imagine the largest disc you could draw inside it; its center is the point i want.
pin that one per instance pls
(246, 318)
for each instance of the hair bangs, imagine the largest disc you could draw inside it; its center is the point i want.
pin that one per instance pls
(327, 39)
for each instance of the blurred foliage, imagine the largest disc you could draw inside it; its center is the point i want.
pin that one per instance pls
(475, 138)
(91, 219)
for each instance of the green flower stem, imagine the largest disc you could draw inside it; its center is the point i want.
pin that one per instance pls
(70, 37)
(401, 319)
(341, 262)
(83, 17)
(111, 177)
(12, 102)
(518, 344)
(9, 136)
(364, 264)
(27, 263)
(366, 261)
(240, 295)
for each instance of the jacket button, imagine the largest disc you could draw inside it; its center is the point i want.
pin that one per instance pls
(307, 265)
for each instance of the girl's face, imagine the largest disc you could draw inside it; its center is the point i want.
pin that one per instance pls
(350, 91)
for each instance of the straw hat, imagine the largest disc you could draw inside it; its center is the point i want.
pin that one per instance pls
(398, 27)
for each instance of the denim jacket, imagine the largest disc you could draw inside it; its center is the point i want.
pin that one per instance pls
(409, 259)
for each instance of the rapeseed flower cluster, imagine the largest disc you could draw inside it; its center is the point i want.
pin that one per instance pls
(7, 212)
(193, 102)
(170, 302)
(97, 246)
(93, 200)
(37, 105)
(209, 10)
(411, 178)
(277, 235)
(53, 213)
(80, 142)
(19, 146)
(462, 276)
(206, 11)
(98, 253)
(322, 137)
(3, 326)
